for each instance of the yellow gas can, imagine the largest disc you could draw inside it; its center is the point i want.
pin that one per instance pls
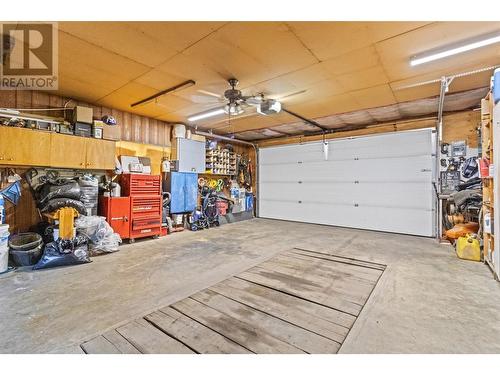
(467, 247)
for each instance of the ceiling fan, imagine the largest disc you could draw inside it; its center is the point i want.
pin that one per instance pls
(236, 103)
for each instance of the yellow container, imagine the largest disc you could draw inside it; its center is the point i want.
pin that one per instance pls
(468, 248)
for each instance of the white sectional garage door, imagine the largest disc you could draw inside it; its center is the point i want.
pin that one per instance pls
(380, 182)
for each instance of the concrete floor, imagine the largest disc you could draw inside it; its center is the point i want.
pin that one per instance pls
(427, 301)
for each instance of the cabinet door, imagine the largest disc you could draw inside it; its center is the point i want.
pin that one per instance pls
(100, 154)
(24, 147)
(67, 151)
(191, 191)
(177, 189)
(119, 216)
(191, 155)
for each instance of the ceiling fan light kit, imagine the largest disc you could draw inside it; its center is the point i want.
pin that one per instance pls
(233, 109)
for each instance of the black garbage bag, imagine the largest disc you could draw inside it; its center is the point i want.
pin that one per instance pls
(70, 189)
(57, 203)
(64, 253)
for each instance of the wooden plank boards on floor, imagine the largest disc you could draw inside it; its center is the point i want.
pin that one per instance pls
(300, 301)
(197, 336)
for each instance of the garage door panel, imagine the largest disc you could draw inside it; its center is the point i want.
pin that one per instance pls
(381, 182)
(414, 169)
(402, 195)
(408, 169)
(308, 212)
(322, 192)
(280, 172)
(397, 220)
(386, 145)
(399, 195)
(292, 154)
(372, 218)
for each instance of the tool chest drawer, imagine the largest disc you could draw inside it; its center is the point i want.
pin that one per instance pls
(140, 184)
(145, 205)
(145, 226)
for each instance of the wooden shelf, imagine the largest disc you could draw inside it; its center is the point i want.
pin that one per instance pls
(486, 146)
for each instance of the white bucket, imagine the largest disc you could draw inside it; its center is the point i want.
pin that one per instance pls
(4, 235)
(4, 247)
(4, 258)
(179, 131)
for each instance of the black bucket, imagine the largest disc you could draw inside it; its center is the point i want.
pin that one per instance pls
(25, 248)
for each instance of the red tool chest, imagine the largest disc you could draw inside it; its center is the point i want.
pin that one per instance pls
(116, 210)
(144, 192)
(140, 184)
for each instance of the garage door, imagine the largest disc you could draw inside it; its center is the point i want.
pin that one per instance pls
(380, 182)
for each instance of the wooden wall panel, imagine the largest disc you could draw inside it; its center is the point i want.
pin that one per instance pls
(24, 99)
(127, 127)
(7, 98)
(462, 126)
(136, 129)
(56, 101)
(153, 131)
(145, 130)
(131, 127)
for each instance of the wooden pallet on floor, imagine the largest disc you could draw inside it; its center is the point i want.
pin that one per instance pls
(300, 301)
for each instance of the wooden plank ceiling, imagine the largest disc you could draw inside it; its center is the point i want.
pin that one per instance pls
(339, 67)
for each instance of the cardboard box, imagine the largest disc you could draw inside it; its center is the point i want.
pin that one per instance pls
(196, 137)
(83, 115)
(111, 132)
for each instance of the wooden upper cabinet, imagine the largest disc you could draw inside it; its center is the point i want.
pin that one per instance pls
(28, 147)
(100, 154)
(24, 147)
(67, 151)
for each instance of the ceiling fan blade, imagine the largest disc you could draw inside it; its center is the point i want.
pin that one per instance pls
(205, 99)
(285, 97)
(233, 118)
(210, 93)
(253, 100)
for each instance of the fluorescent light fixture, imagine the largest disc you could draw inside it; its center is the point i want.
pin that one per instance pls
(432, 56)
(201, 116)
